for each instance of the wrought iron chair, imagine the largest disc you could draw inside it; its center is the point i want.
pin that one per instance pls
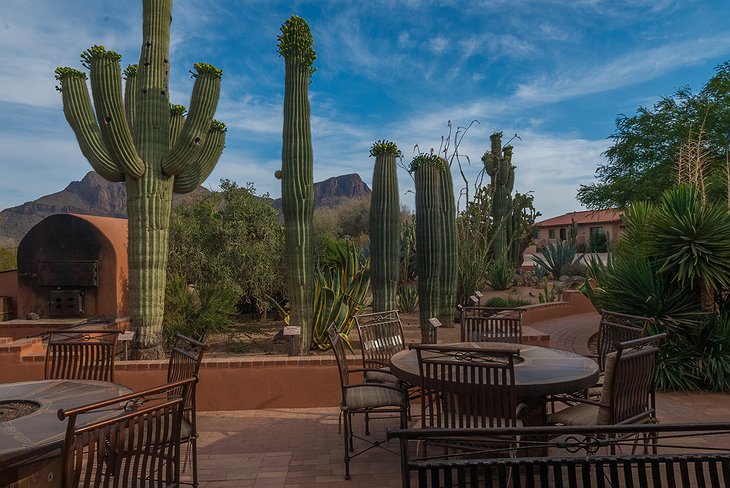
(616, 327)
(489, 324)
(81, 354)
(628, 395)
(137, 445)
(185, 359)
(381, 336)
(468, 388)
(363, 398)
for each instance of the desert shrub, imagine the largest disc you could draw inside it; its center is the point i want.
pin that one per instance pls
(353, 216)
(499, 274)
(598, 242)
(506, 302)
(476, 234)
(581, 247)
(197, 311)
(8, 259)
(574, 269)
(231, 237)
(327, 233)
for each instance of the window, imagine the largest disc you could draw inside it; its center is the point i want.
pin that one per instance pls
(596, 230)
(551, 234)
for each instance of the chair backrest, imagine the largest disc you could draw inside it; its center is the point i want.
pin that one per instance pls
(81, 355)
(185, 358)
(466, 387)
(381, 336)
(489, 324)
(629, 385)
(138, 444)
(338, 348)
(619, 327)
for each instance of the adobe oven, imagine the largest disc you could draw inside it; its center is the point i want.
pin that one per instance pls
(73, 266)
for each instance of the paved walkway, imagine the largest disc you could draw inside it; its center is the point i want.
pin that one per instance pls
(302, 448)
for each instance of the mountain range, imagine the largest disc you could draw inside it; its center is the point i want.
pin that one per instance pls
(94, 195)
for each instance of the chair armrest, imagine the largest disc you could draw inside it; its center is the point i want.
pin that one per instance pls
(364, 370)
(374, 385)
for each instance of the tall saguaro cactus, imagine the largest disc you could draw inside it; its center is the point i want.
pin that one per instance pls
(384, 226)
(141, 140)
(427, 169)
(449, 251)
(297, 185)
(498, 165)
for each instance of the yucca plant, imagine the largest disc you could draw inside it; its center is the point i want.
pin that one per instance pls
(692, 242)
(555, 256)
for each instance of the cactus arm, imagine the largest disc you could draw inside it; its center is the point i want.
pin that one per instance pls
(384, 227)
(80, 116)
(203, 103)
(198, 172)
(106, 88)
(130, 94)
(177, 120)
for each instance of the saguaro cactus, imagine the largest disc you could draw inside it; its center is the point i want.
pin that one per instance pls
(498, 165)
(297, 185)
(149, 145)
(384, 226)
(449, 252)
(427, 169)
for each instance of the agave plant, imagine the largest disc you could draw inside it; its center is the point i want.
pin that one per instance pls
(500, 273)
(408, 298)
(340, 293)
(555, 256)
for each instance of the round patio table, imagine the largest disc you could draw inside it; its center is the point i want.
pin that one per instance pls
(30, 429)
(542, 371)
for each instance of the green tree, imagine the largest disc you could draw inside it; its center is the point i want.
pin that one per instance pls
(641, 161)
(231, 237)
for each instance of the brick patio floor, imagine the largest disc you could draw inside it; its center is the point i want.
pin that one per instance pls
(302, 448)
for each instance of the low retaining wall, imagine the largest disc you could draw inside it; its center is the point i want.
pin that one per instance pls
(256, 382)
(574, 302)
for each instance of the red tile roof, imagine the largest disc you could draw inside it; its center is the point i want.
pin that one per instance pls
(586, 217)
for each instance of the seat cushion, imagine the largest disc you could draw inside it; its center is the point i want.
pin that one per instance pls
(581, 414)
(373, 396)
(381, 376)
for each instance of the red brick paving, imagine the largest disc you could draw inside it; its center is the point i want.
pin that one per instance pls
(299, 448)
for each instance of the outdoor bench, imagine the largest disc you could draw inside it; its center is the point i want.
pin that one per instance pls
(667, 456)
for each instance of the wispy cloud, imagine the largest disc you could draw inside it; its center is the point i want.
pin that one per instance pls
(624, 70)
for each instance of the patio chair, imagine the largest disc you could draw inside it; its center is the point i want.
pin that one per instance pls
(81, 355)
(490, 324)
(468, 388)
(628, 395)
(185, 359)
(616, 327)
(137, 444)
(363, 398)
(381, 336)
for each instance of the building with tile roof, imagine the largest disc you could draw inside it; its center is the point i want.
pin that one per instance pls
(589, 222)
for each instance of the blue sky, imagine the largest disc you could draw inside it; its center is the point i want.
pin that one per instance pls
(556, 72)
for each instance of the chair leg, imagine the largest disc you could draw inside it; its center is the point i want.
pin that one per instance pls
(347, 443)
(194, 445)
(367, 423)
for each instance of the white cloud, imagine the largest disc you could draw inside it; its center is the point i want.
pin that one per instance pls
(625, 70)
